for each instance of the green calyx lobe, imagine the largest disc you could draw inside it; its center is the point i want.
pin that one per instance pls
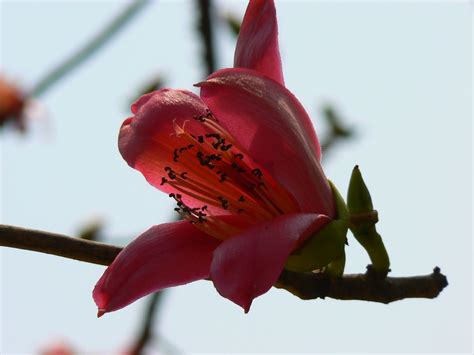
(326, 247)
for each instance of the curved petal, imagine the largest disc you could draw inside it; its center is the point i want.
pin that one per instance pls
(257, 45)
(248, 265)
(272, 125)
(165, 255)
(147, 141)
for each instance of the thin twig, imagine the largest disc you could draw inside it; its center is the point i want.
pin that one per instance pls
(89, 49)
(338, 130)
(205, 28)
(146, 331)
(57, 244)
(366, 287)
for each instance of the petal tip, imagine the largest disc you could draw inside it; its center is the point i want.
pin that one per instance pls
(100, 312)
(200, 84)
(247, 307)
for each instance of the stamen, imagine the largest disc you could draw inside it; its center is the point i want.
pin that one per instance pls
(213, 168)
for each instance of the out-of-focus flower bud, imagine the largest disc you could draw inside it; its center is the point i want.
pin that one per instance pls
(12, 104)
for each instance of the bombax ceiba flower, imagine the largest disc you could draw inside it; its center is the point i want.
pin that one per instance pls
(242, 162)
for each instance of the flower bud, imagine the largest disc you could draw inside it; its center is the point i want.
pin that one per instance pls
(363, 218)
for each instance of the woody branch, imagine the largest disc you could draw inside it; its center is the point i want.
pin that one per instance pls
(366, 287)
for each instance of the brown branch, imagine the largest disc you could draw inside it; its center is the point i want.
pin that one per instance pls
(365, 287)
(57, 244)
(205, 28)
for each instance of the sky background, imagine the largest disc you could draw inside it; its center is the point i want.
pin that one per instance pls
(398, 72)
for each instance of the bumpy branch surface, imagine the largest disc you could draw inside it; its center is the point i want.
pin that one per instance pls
(363, 287)
(366, 287)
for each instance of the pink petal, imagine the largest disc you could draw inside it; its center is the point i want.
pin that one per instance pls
(147, 140)
(272, 125)
(257, 46)
(248, 265)
(165, 255)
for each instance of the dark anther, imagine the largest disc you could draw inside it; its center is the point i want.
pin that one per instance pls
(241, 199)
(226, 147)
(205, 160)
(238, 168)
(201, 217)
(171, 195)
(200, 156)
(223, 177)
(190, 146)
(239, 156)
(171, 173)
(183, 175)
(175, 155)
(199, 118)
(240, 210)
(257, 173)
(178, 196)
(210, 115)
(224, 202)
(213, 135)
(163, 181)
(200, 139)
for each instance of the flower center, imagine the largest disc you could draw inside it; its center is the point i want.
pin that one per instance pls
(214, 169)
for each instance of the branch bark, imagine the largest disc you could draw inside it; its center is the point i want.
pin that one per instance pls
(365, 287)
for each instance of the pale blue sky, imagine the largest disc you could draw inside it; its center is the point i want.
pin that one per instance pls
(400, 72)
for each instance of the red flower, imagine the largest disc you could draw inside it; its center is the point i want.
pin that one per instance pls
(242, 163)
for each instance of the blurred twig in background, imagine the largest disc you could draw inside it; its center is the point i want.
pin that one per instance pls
(146, 332)
(155, 82)
(92, 230)
(233, 22)
(338, 131)
(205, 26)
(89, 49)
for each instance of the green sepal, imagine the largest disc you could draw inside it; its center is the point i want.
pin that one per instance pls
(358, 195)
(360, 205)
(325, 246)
